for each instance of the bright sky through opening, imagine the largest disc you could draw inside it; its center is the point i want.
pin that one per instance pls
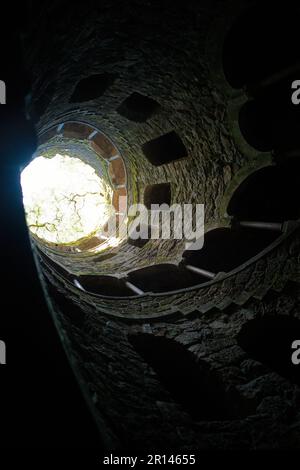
(64, 199)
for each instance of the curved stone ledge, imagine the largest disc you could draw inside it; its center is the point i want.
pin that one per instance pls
(253, 279)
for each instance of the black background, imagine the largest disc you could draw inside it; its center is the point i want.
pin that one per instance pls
(41, 405)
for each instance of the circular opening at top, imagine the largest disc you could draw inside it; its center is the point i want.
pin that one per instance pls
(65, 200)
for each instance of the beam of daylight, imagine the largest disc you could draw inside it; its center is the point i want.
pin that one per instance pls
(64, 199)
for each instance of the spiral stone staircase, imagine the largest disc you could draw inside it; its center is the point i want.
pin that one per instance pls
(162, 339)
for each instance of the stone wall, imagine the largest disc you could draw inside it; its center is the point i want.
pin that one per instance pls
(136, 51)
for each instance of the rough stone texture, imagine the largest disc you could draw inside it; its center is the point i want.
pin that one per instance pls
(130, 397)
(272, 271)
(149, 56)
(171, 64)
